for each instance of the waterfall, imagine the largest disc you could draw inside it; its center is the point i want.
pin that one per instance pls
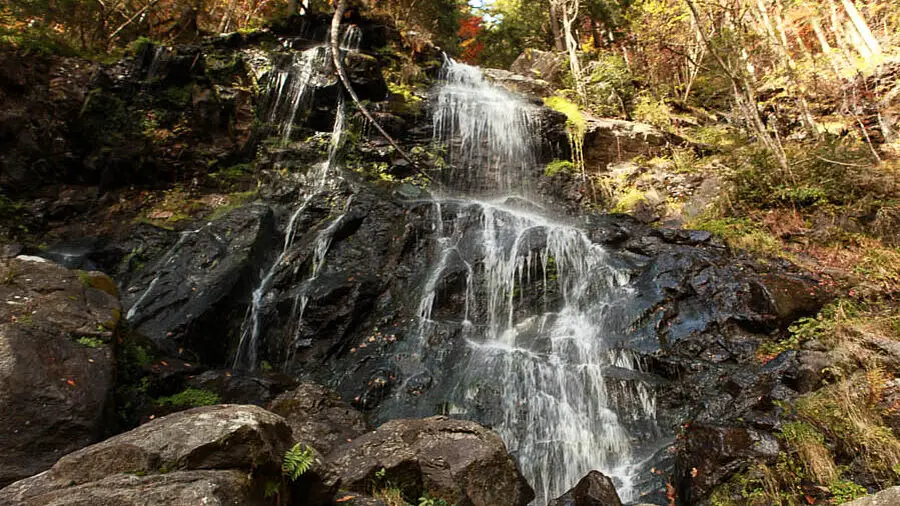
(490, 134)
(290, 87)
(542, 362)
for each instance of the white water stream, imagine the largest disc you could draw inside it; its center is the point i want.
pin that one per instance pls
(545, 366)
(290, 88)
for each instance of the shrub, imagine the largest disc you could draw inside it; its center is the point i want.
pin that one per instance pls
(192, 397)
(739, 233)
(90, 342)
(557, 166)
(610, 85)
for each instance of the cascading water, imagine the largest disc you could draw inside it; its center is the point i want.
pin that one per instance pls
(291, 87)
(543, 364)
(289, 90)
(490, 134)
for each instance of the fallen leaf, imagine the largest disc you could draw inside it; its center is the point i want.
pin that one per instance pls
(345, 498)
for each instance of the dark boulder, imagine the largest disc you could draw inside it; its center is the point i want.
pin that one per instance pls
(319, 417)
(595, 489)
(175, 301)
(211, 451)
(708, 454)
(56, 362)
(239, 387)
(364, 73)
(459, 461)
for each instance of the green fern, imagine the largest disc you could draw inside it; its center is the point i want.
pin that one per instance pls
(297, 461)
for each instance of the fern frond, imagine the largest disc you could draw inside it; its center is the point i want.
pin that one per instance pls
(297, 461)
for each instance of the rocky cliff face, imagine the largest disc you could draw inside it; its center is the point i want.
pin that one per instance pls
(280, 248)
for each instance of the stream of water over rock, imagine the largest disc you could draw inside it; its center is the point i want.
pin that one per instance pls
(541, 366)
(289, 89)
(545, 365)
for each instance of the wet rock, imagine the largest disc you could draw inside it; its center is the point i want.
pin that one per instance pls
(595, 489)
(710, 453)
(318, 417)
(39, 97)
(887, 497)
(56, 362)
(174, 301)
(238, 387)
(364, 73)
(212, 448)
(458, 461)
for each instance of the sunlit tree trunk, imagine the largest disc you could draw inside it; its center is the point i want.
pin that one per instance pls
(569, 12)
(837, 27)
(779, 41)
(824, 45)
(558, 40)
(862, 28)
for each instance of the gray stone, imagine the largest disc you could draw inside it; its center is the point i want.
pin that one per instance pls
(237, 437)
(459, 461)
(546, 65)
(55, 391)
(183, 488)
(887, 497)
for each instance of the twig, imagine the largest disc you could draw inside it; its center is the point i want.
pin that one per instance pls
(845, 164)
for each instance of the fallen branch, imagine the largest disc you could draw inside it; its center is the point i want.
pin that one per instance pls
(339, 8)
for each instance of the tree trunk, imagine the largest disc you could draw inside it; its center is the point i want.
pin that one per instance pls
(595, 33)
(744, 95)
(862, 27)
(558, 43)
(826, 47)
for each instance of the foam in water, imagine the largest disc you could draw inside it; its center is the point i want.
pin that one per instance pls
(545, 366)
(489, 133)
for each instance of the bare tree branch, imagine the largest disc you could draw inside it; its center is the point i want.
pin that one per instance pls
(339, 8)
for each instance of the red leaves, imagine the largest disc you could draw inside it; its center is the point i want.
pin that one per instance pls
(469, 30)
